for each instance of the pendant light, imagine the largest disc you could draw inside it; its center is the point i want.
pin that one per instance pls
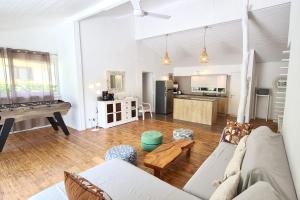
(166, 59)
(203, 54)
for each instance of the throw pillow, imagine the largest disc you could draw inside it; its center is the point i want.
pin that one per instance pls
(234, 165)
(78, 188)
(234, 131)
(228, 189)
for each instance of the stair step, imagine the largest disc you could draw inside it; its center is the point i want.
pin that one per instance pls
(285, 60)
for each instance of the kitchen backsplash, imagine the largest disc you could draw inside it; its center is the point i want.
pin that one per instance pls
(184, 83)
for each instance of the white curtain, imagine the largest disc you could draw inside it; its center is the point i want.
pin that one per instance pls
(4, 82)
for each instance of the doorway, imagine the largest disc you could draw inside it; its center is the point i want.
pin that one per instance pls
(148, 88)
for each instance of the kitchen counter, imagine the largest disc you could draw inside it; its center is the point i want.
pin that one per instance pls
(222, 101)
(197, 98)
(198, 110)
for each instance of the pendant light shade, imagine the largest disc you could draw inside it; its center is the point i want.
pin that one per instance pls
(203, 54)
(166, 59)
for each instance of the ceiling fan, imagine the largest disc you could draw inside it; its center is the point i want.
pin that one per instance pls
(138, 11)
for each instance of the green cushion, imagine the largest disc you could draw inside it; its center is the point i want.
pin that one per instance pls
(152, 137)
(149, 147)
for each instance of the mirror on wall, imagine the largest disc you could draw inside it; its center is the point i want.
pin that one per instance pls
(116, 81)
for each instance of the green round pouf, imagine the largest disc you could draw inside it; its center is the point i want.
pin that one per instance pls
(151, 140)
(149, 147)
(152, 137)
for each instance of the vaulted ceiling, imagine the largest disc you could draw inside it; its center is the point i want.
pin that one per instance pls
(268, 29)
(268, 34)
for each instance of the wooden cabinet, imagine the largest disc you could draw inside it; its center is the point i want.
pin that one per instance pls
(113, 113)
(202, 111)
(222, 106)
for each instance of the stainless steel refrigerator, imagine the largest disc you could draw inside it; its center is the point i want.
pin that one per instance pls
(164, 97)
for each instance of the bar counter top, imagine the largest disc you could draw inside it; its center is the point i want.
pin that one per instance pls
(197, 98)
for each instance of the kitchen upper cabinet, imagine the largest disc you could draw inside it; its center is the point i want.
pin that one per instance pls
(222, 81)
(209, 83)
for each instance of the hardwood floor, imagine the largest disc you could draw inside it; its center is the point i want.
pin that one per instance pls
(34, 160)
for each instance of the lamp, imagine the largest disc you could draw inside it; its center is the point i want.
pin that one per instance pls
(203, 54)
(166, 59)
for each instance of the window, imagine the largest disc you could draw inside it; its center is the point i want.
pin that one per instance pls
(27, 76)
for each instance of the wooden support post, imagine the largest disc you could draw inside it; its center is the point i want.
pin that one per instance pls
(244, 70)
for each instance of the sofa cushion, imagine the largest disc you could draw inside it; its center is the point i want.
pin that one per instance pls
(228, 189)
(55, 192)
(259, 191)
(122, 180)
(234, 165)
(265, 160)
(201, 183)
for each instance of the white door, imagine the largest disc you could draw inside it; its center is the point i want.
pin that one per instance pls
(234, 93)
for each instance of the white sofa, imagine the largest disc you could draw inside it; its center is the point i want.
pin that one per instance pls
(265, 150)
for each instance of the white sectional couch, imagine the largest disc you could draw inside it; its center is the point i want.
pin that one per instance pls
(265, 151)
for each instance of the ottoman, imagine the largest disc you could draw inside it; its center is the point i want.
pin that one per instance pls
(182, 133)
(151, 140)
(123, 152)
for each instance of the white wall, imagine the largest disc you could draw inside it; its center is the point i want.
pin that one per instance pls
(208, 69)
(70, 73)
(36, 39)
(291, 125)
(108, 44)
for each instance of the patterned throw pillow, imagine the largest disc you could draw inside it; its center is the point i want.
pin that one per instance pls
(78, 188)
(234, 131)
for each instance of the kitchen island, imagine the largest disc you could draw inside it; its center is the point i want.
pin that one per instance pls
(195, 109)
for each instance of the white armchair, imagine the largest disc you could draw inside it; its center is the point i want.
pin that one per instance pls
(144, 108)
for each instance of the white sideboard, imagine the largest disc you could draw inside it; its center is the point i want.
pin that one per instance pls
(113, 113)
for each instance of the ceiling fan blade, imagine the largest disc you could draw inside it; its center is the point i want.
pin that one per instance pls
(150, 14)
(136, 4)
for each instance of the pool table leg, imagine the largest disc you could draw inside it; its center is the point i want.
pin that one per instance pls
(61, 123)
(53, 123)
(4, 131)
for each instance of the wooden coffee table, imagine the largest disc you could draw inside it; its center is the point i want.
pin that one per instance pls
(165, 154)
